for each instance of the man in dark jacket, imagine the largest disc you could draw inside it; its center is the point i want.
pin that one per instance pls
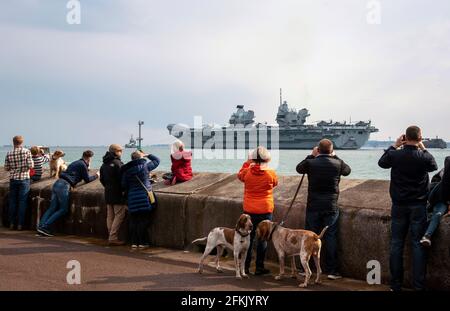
(110, 178)
(59, 205)
(410, 164)
(324, 171)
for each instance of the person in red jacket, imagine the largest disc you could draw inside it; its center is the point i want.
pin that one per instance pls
(181, 164)
(259, 182)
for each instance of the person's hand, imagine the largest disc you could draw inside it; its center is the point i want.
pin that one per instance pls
(250, 156)
(448, 213)
(400, 141)
(315, 152)
(98, 174)
(421, 146)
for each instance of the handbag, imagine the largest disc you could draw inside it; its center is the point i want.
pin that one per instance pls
(151, 195)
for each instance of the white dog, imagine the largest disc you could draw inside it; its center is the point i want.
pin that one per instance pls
(237, 240)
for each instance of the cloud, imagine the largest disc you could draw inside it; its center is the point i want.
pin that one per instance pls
(165, 62)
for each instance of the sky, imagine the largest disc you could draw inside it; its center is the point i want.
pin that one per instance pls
(167, 61)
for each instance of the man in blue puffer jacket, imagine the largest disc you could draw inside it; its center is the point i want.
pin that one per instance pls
(136, 184)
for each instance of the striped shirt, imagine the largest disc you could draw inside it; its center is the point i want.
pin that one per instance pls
(39, 161)
(18, 162)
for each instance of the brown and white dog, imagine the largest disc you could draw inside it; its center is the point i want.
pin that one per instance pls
(291, 243)
(57, 164)
(237, 240)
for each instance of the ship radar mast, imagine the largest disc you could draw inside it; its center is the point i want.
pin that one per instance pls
(281, 96)
(290, 117)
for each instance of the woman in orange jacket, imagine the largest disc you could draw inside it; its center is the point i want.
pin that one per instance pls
(259, 182)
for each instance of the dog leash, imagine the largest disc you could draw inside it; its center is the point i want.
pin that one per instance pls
(293, 200)
(289, 209)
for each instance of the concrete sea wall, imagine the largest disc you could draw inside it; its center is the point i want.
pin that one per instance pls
(189, 210)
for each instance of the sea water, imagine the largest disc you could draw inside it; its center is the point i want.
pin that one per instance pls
(364, 162)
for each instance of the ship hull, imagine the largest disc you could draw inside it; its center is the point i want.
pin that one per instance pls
(344, 138)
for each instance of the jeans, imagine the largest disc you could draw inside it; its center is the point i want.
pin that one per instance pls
(18, 199)
(138, 225)
(59, 205)
(316, 221)
(406, 218)
(261, 246)
(439, 210)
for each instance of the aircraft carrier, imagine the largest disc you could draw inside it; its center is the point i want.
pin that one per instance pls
(291, 132)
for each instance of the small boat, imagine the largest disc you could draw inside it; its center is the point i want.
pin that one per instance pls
(131, 143)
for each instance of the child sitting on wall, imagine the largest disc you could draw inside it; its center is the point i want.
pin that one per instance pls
(39, 159)
(181, 165)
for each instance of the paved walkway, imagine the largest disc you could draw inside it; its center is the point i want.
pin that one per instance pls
(28, 262)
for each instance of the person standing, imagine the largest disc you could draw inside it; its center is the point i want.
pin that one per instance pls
(259, 181)
(137, 186)
(410, 164)
(59, 205)
(324, 170)
(110, 178)
(18, 163)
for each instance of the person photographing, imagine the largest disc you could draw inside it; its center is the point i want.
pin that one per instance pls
(410, 164)
(324, 170)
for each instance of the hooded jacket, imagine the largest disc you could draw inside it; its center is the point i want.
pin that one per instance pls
(258, 190)
(111, 179)
(442, 183)
(181, 165)
(136, 194)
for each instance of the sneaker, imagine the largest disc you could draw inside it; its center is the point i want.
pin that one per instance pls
(45, 232)
(247, 271)
(134, 246)
(144, 246)
(262, 271)
(425, 241)
(334, 276)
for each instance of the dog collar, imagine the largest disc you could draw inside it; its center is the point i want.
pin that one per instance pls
(241, 234)
(273, 230)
